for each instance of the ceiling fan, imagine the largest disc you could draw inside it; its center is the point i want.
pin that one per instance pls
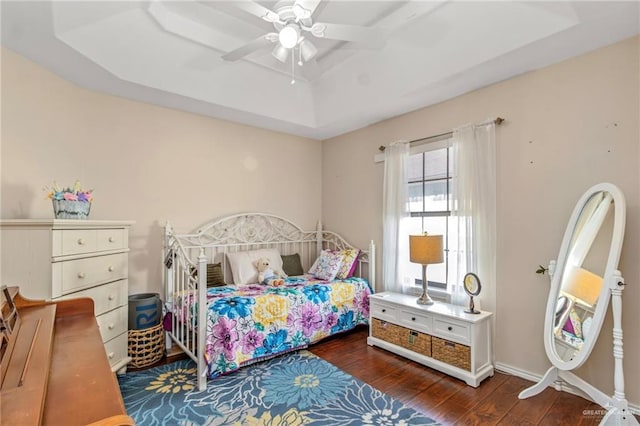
(293, 23)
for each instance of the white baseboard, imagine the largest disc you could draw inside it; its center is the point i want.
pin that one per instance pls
(508, 369)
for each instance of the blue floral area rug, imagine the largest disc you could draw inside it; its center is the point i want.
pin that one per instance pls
(294, 389)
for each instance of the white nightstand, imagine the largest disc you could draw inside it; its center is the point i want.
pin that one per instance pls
(441, 336)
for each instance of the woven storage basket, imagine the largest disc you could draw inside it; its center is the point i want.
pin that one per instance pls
(402, 336)
(146, 346)
(452, 353)
(415, 341)
(386, 331)
(66, 209)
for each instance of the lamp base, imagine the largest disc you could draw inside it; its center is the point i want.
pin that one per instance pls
(424, 300)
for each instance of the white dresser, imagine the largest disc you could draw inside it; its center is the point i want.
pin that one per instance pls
(63, 259)
(441, 336)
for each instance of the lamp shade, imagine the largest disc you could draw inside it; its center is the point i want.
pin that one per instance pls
(308, 50)
(425, 249)
(582, 285)
(280, 53)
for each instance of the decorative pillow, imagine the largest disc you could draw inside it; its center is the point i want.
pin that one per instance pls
(573, 324)
(215, 277)
(291, 264)
(313, 268)
(349, 262)
(243, 266)
(349, 258)
(328, 265)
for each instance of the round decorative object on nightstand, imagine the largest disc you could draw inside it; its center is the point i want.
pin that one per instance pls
(472, 287)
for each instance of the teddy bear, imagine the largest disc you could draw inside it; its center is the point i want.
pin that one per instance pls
(267, 275)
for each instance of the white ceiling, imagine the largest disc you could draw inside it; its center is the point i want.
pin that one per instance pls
(169, 54)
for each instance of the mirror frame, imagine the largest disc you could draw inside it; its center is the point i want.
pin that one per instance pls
(474, 277)
(617, 237)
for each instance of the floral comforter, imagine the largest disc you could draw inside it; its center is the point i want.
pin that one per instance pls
(252, 322)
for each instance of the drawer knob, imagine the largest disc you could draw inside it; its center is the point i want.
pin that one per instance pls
(111, 239)
(81, 275)
(81, 241)
(111, 327)
(110, 297)
(413, 318)
(110, 268)
(449, 328)
(111, 354)
(384, 310)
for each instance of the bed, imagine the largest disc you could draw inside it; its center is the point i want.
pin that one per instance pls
(224, 319)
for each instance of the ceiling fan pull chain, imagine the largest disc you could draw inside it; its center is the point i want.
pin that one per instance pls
(293, 67)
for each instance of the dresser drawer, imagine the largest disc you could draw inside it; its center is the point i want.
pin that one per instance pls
(105, 297)
(111, 239)
(116, 348)
(453, 330)
(112, 323)
(416, 321)
(382, 311)
(78, 274)
(73, 241)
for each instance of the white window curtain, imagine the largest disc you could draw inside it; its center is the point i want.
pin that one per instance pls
(473, 197)
(395, 211)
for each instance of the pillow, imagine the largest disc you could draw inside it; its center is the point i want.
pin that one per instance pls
(313, 268)
(328, 265)
(243, 266)
(291, 264)
(349, 262)
(215, 277)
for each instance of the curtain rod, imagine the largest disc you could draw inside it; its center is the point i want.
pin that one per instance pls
(498, 121)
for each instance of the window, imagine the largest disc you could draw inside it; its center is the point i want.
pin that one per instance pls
(430, 206)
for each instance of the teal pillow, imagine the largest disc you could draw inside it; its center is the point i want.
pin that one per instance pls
(291, 264)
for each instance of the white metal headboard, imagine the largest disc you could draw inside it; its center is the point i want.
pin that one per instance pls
(251, 231)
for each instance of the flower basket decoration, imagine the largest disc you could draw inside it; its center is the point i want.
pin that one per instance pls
(71, 203)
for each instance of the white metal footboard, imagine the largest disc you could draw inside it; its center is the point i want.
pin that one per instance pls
(187, 253)
(180, 282)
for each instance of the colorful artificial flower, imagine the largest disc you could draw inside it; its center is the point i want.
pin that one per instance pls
(70, 194)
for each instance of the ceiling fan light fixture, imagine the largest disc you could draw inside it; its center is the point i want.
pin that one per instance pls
(289, 36)
(280, 53)
(308, 50)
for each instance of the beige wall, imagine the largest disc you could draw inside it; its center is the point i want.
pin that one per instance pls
(569, 126)
(145, 163)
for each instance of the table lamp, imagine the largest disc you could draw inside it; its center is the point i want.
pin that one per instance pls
(425, 250)
(582, 285)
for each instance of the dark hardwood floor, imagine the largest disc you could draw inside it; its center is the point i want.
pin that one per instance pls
(449, 400)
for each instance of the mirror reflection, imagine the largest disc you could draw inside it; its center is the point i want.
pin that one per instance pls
(582, 281)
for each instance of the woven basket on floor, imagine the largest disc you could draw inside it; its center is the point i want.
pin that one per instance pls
(146, 347)
(452, 353)
(402, 336)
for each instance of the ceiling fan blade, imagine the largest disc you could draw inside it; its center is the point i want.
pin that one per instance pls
(369, 37)
(257, 10)
(252, 46)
